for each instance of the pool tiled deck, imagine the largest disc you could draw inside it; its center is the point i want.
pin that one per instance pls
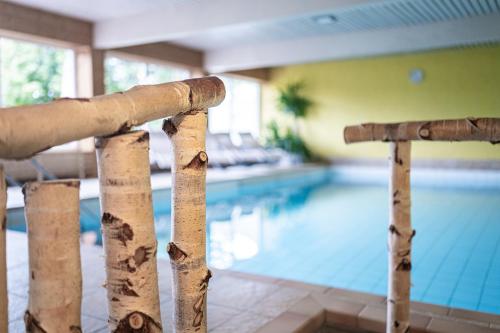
(240, 302)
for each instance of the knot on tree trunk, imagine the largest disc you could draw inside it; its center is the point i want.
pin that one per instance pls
(198, 162)
(175, 253)
(404, 265)
(138, 322)
(32, 324)
(169, 127)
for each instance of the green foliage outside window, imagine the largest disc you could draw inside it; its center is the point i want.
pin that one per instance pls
(29, 73)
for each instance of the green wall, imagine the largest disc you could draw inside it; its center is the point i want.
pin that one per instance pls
(458, 83)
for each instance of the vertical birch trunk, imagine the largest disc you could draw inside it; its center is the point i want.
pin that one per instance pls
(187, 248)
(52, 211)
(4, 319)
(400, 237)
(128, 233)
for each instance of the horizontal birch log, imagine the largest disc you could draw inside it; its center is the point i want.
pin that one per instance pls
(27, 130)
(468, 129)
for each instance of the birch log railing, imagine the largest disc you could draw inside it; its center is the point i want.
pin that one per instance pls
(400, 232)
(52, 208)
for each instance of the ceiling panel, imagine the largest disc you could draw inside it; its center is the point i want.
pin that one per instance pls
(382, 15)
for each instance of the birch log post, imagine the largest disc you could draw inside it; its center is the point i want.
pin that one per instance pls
(187, 248)
(101, 115)
(400, 237)
(4, 318)
(52, 210)
(468, 129)
(128, 233)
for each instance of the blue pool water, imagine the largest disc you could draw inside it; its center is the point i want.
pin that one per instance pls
(322, 229)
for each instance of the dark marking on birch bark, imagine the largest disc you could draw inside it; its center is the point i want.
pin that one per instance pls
(143, 138)
(190, 97)
(175, 253)
(413, 233)
(404, 265)
(75, 329)
(141, 255)
(198, 162)
(117, 229)
(77, 99)
(108, 218)
(32, 275)
(114, 299)
(74, 183)
(137, 322)
(407, 329)
(169, 127)
(4, 223)
(32, 324)
(198, 306)
(396, 156)
(394, 230)
(124, 287)
(472, 122)
(124, 128)
(396, 323)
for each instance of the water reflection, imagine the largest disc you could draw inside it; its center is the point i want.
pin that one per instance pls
(239, 227)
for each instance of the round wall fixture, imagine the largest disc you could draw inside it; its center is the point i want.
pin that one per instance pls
(416, 75)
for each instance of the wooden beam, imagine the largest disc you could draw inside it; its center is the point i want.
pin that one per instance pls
(469, 129)
(24, 22)
(261, 74)
(166, 52)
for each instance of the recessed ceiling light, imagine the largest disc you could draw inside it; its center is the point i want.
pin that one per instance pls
(325, 19)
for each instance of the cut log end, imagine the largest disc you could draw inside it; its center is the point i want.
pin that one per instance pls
(138, 322)
(198, 162)
(208, 92)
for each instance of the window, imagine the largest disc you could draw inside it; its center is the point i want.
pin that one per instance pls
(240, 111)
(33, 73)
(122, 74)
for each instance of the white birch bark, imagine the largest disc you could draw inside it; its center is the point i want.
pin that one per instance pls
(66, 119)
(400, 238)
(187, 248)
(128, 233)
(468, 129)
(52, 210)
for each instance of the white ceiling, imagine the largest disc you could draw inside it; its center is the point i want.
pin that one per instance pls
(241, 34)
(363, 17)
(97, 10)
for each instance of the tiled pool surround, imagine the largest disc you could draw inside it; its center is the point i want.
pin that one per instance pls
(245, 303)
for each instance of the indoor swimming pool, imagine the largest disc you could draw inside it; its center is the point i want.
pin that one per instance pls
(330, 227)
